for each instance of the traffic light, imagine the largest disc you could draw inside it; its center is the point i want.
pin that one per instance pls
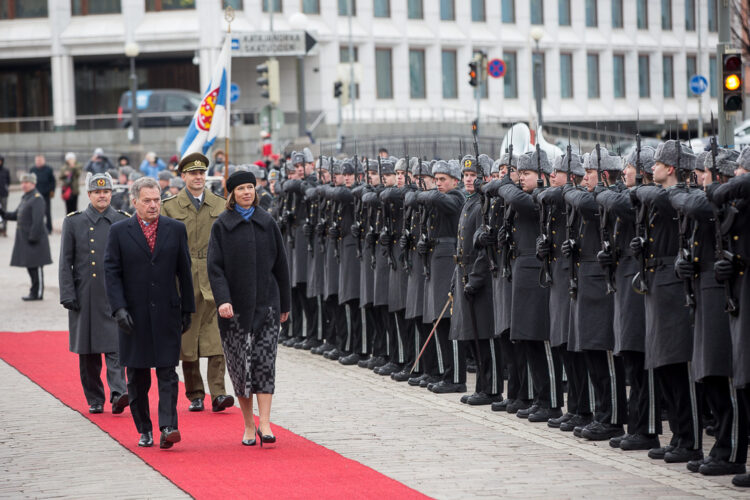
(337, 89)
(269, 80)
(732, 78)
(341, 91)
(473, 73)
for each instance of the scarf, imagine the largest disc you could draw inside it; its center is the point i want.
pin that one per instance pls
(149, 231)
(246, 213)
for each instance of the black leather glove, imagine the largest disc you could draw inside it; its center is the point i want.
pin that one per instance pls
(385, 238)
(636, 245)
(542, 248)
(502, 236)
(334, 232)
(71, 305)
(710, 189)
(371, 238)
(187, 318)
(485, 238)
(307, 229)
(124, 320)
(568, 247)
(320, 229)
(403, 241)
(605, 259)
(469, 290)
(2, 212)
(723, 270)
(356, 230)
(684, 269)
(423, 248)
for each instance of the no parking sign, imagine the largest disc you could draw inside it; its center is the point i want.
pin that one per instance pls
(496, 68)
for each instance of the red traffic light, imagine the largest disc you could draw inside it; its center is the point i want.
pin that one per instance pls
(732, 62)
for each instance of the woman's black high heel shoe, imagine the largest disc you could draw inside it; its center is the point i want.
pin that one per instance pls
(248, 442)
(265, 438)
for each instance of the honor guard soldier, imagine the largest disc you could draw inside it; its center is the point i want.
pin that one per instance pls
(198, 208)
(93, 331)
(669, 334)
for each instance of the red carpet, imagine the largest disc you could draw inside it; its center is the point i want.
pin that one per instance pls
(210, 461)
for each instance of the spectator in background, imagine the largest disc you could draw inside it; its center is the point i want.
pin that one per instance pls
(164, 177)
(4, 185)
(123, 174)
(70, 179)
(99, 163)
(175, 185)
(123, 161)
(45, 185)
(152, 165)
(218, 164)
(172, 165)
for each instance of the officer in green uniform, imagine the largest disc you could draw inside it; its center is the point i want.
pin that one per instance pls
(198, 208)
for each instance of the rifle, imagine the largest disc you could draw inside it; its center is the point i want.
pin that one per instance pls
(545, 275)
(570, 218)
(508, 246)
(638, 283)
(485, 200)
(684, 247)
(606, 241)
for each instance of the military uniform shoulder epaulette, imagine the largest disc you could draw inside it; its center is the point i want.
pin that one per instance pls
(74, 213)
(172, 197)
(123, 212)
(217, 195)
(37, 195)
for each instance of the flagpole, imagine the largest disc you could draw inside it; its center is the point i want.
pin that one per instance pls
(229, 17)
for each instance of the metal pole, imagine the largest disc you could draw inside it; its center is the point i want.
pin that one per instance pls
(538, 88)
(352, 95)
(699, 58)
(339, 133)
(302, 125)
(134, 102)
(726, 121)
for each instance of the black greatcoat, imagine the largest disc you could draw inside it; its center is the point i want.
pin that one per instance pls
(669, 332)
(530, 303)
(144, 283)
(630, 309)
(559, 298)
(445, 209)
(415, 282)
(712, 341)
(316, 258)
(592, 309)
(331, 265)
(247, 268)
(366, 273)
(392, 199)
(350, 264)
(31, 247)
(472, 268)
(502, 288)
(382, 270)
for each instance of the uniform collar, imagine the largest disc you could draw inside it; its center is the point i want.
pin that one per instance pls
(94, 215)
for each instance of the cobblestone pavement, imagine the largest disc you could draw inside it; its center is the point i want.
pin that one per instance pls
(429, 442)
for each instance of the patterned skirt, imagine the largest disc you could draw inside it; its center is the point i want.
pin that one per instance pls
(251, 356)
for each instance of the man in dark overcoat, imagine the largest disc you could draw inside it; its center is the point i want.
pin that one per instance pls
(93, 332)
(31, 246)
(45, 185)
(150, 289)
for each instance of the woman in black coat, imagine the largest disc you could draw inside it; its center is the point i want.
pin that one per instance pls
(247, 268)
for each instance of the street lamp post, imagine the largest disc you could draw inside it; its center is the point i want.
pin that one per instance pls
(298, 21)
(131, 51)
(537, 33)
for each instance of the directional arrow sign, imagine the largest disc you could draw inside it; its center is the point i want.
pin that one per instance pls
(267, 43)
(698, 84)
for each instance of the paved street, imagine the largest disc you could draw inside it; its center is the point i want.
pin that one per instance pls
(429, 442)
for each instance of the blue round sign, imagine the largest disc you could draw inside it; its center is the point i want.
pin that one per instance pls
(496, 68)
(234, 93)
(698, 84)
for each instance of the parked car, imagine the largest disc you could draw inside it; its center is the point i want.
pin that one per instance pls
(175, 106)
(742, 134)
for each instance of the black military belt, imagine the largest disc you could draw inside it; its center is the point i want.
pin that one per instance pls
(587, 258)
(521, 252)
(660, 261)
(444, 239)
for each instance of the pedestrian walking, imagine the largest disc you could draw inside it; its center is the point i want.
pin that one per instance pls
(45, 185)
(98, 164)
(4, 185)
(69, 176)
(247, 267)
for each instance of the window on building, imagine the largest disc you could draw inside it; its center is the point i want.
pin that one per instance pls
(509, 11)
(666, 15)
(644, 84)
(537, 11)
(538, 58)
(344, 7)
(510, 82)
(447, 10)
(477, 11)
(159, 5)
(563, 12)
(712, 76)
(415, 9)
(311, 6)
(450, 83)
(19, 9)
(384, 73)
(592, 65)
(667, 67)
(235, 4)
(25, 90)
(618, 75)
(566, 75)
(89, 7)
(691, 67)
(713, 13)
(617, 13)
(344, 58)
(417, 74)
(690, 15)
(381, 8)
(592, 17)
(642, 14)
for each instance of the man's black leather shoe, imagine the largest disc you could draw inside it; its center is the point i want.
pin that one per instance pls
(323, 348)
(444, 387)
(221, 403)
(516, 405)
(415, 380)
(147, 440)
(429, 380)
(333, 354)
(597, 431)
(682, 455)
(403, 375)
(715, 467)
(169, 436)
(364, 361)
(291, 341)
(351, 359)
(387, 369)
(633, 442)
(577, 421)
(544, 414)
(658, 453)
(501, 405)
(483, 399)
(309, 343)
(615, 441)
(741, 480)
(555, 422)
(525, 412)
(29, 298)
(695, 465)
(196, 405)
(119, 404)
(96, 408)
(375, 362)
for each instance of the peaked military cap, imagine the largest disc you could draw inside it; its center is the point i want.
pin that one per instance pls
(193, 161)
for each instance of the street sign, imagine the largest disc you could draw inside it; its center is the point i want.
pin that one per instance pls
(496, 68)
(234, 93)
(698, 84)
(269, 44)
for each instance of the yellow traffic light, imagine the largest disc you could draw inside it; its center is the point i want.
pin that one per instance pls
(732, 82)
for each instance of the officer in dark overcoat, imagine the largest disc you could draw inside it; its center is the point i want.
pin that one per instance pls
(93, 332)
